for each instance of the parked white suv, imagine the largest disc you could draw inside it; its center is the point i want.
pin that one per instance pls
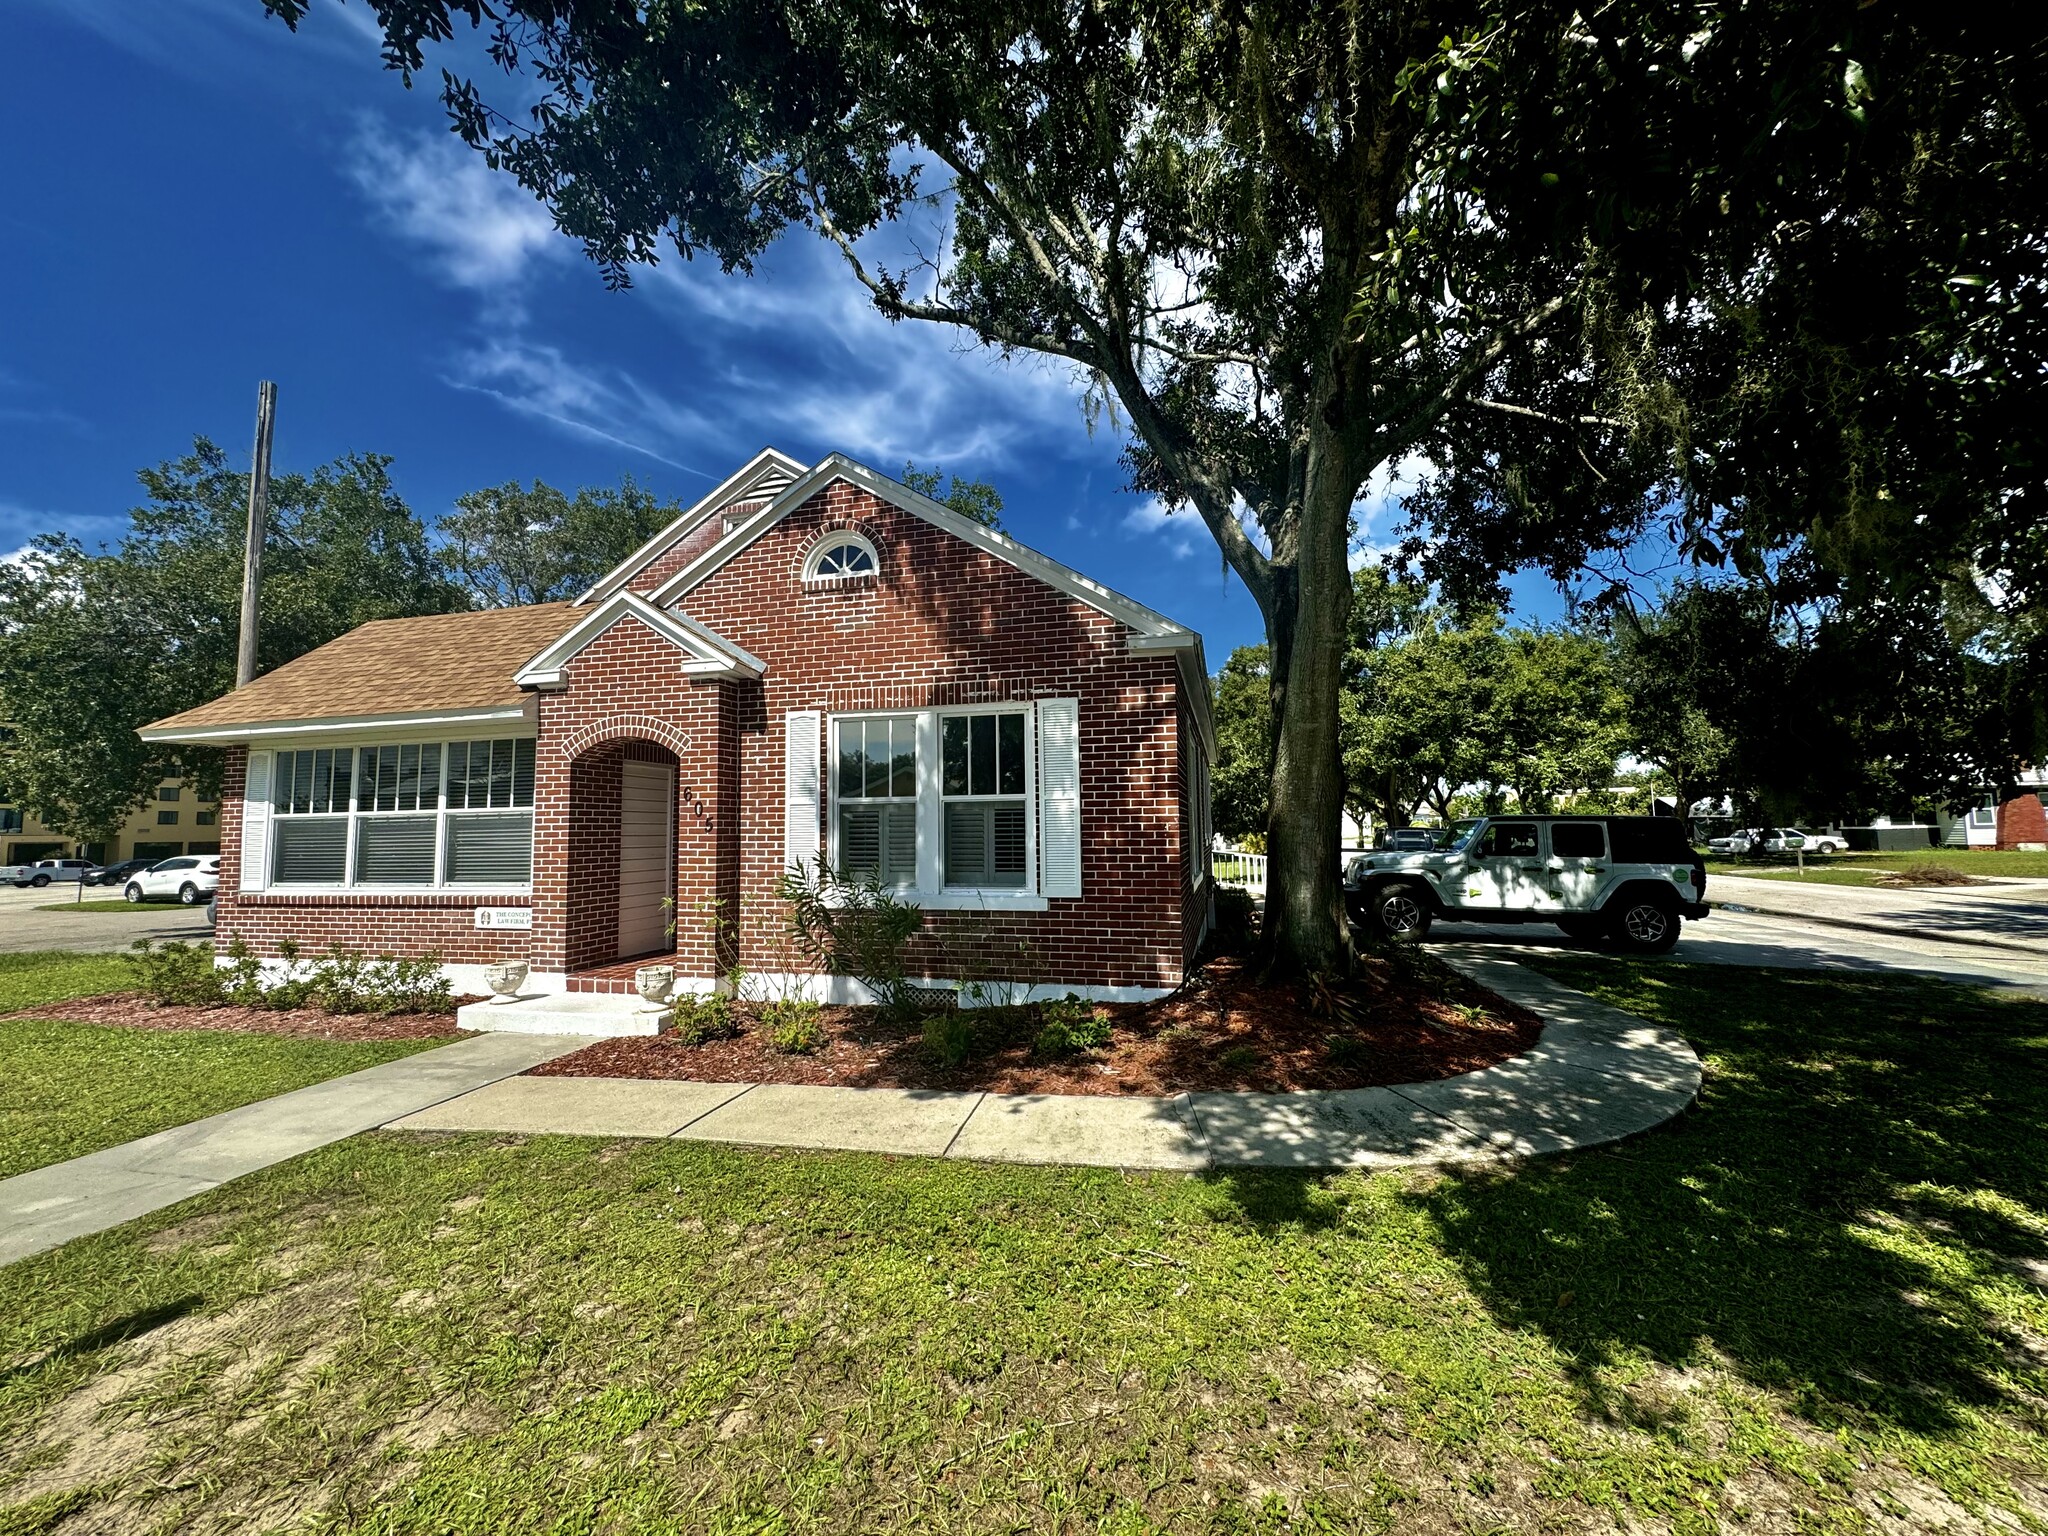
(192, 878)
(1628, 878)
(43, 871)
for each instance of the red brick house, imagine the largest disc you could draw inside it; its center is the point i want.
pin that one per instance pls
(810, 662)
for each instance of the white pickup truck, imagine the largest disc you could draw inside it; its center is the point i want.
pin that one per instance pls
(43, 871)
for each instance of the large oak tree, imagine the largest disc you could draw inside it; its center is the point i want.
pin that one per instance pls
(1288, 243)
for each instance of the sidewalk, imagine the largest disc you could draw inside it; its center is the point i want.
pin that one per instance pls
(48, 1206)
(2007, 916)
(1595, 1075)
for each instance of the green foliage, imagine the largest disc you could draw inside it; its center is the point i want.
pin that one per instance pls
(698, 1017)
(854, 926)
(511, 544)
(95, 644)
(949, 1036)
(176, 973)
(793, 1025)
(1241, 780)
(975, 499)
(1068, 1026)
(342, 981)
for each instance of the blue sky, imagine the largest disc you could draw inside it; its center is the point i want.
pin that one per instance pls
(199, 199)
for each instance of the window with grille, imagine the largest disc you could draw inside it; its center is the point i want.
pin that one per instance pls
(982, 779)
(412, 814)
(875, 781)
(840, 557)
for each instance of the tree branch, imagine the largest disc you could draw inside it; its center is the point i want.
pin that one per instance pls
(1482, 357)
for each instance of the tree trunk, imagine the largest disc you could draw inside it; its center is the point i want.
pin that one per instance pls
(1305, 930)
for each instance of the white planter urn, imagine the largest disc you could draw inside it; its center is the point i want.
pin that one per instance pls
(653, 982)
(504, 978)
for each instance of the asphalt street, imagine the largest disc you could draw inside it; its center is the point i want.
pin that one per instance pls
(24, 925)
(1758, 938)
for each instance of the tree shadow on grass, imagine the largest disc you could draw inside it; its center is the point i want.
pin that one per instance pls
(119, 1331)
(1865, 1171)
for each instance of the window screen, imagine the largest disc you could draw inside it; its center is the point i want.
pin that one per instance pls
(311, 850)
(395, 850)
(982, 778)
(490, 850)
(876, 781)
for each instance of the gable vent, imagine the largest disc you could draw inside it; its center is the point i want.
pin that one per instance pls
(773, 484)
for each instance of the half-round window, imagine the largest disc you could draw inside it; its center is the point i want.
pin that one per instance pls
(841, 557)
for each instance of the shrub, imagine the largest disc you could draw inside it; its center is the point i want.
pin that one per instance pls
(177, 973)
(1068, 1026)
(853, 926)
(408, 986)
(793, 1025)
(697, 1018)
(1347, 1051)
(949, 1037)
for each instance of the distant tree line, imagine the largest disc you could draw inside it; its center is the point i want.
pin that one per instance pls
(1793, 707)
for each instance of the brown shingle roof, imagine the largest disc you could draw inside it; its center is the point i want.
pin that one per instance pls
(393, 667)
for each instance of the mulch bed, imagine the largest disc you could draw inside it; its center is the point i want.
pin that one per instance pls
(1224, 1031)
(132, 1010)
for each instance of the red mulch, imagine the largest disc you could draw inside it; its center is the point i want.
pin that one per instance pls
(132, 1010)
(1224, 1031)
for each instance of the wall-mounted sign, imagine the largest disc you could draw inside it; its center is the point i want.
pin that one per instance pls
(504, 917)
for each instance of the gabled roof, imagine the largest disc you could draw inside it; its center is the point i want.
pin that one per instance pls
(761, 477)
(443, 666)
(708, 654)
(1150, 630)
(838, 466)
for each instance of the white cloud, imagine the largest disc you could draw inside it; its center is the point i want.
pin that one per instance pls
(479, 227)
(796, 351)
(1180, 533)
(1378, 508)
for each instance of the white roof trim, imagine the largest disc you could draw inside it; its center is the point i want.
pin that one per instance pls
(267, 729)
(709, 654)
(838, 466)
(767, 465)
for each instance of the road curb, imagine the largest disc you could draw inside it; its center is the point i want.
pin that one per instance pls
(1890, 930)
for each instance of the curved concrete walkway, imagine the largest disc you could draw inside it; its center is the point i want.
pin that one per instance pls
(1594, 1076)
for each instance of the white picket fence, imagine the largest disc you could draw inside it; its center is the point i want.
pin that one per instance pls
(1245, 869)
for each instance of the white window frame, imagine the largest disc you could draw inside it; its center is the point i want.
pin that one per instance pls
(349, 886)
(931, 891)
(830, 540)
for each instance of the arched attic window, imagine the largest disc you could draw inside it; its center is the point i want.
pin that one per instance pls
(840, 556)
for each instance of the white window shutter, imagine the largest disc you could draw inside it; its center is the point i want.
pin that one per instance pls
(256, 823)
(800, 788)
(1059, 796)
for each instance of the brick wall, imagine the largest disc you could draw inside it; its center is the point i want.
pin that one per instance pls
(945, 623)
(2022, 819)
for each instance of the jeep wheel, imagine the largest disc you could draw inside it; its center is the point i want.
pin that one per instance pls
(1645, 924)
(1585, 929)
(1401, 911)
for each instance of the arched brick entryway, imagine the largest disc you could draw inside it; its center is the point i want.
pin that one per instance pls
(621, 847)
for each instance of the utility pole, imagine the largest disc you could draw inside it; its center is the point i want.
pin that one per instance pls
(259, 522)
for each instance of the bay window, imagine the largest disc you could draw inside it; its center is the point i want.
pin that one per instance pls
(406, 815)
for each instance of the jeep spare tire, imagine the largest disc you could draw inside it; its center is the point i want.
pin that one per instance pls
(1646, 924)
(1400, 910)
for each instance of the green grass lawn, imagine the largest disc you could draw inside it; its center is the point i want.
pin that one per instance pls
(1815, 874)
(69, 1089)
(1864, 866)
(117, 904)
(1812, 1303)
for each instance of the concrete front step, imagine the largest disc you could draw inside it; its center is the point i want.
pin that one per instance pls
(564, 1013)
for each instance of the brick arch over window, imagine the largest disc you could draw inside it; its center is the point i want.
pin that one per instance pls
(611, 728)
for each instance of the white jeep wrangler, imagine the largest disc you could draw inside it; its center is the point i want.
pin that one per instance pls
(1628, 878)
